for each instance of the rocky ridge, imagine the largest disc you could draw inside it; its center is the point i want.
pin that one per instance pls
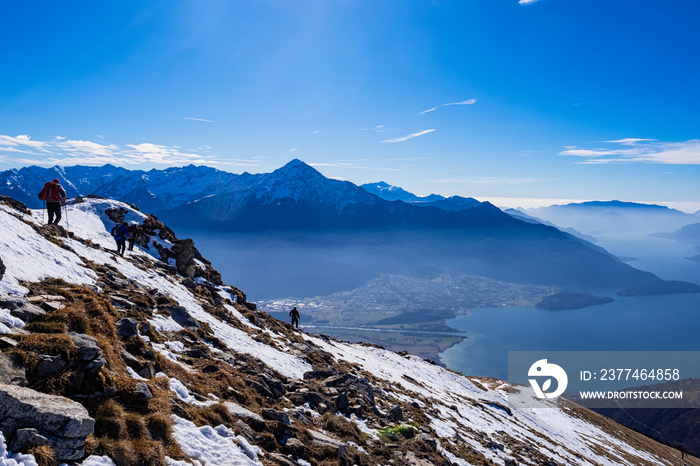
(172, 366)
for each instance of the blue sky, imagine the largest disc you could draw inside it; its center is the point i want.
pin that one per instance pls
(522, 103)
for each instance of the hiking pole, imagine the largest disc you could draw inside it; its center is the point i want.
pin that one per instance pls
(43, 214)
(65, 209)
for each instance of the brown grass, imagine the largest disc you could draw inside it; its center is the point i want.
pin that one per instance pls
(44, 455)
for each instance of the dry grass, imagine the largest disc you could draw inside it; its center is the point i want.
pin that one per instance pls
(341, 427)
(44, 455)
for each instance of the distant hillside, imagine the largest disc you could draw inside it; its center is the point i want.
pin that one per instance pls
(598, 217)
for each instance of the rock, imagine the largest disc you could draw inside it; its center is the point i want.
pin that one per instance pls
(96, 364)
(184, 257)
(63, 423)
(2, 269)
(7, 342)
(189, 283)
(48, 365)
(142, 392)
(294, 446)
(11, 372)
(45, 297)
(127, 327)
(396, 414)
(255, 420)
(282, 460)
(276, 387)
(246, 431)
(52, 306)
(15, 204)
(261, 388)
(130, 360)
(342, 403)
(27, 312)
(410, 459)
(182, 317)
(323, 440)
(24, 438)
(428, 440)
(274, 415)
(88, 349)
(122, 302)
(196, 353)
(510, 462)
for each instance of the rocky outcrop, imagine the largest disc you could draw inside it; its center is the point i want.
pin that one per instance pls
(2, 268)
(11, 372)
(15, 204)
(28, 417)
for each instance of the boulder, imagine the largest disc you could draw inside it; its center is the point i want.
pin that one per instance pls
(142, 392)
(88, 349)
(48, 365)
(396, 414)
(182, 317)
(29, 417)
(249, 417)
(274, 415)
(27, 312)
(11, 372)
(2, 269)
(127, 327)
(323, 440)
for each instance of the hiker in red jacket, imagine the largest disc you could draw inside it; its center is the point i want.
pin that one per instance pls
(55, 196)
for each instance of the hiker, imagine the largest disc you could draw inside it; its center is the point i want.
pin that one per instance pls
(294, 314)
(134, 234)
(120, 232)
(55, 196)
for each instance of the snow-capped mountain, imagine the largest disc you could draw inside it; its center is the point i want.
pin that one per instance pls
(134, 360)
(394, 193)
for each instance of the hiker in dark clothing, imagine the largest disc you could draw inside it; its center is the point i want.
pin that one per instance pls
(134, 234)
(55, 196)
(120, 232)
(294, 314)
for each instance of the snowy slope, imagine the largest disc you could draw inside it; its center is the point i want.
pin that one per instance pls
(463, 415)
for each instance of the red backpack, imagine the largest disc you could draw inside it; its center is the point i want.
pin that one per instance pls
(49, 192)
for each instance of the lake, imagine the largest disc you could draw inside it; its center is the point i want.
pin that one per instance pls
(642, 323)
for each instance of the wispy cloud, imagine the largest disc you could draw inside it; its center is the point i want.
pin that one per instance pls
(199, 119)
(488, 180)
(67, 151)
(315, 132)
(465, 102)
(293, 150)
(527, 2)
(637, 150)
(410, 136)
(378, 128)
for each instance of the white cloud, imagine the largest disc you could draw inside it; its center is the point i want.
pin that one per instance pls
(429, 110)
(293, 150)
(199, 119)
(410, 136)
(23, 137)
(527, 2)
(639, 150)
(315, 132)
(60, 138)
(377, 128)
(464, 102)
(629, 141)
(65, 151)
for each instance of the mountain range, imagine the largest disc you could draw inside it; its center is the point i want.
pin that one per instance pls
(467, 236)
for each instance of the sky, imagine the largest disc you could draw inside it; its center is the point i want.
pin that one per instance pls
(526, 102)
